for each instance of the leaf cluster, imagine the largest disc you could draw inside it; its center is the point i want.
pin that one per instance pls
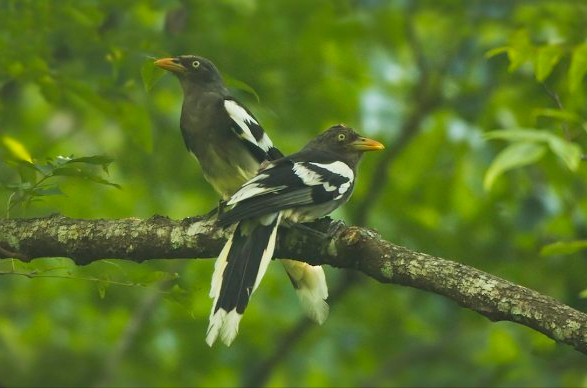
(41, 179)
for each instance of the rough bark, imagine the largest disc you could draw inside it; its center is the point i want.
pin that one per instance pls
(363, 249)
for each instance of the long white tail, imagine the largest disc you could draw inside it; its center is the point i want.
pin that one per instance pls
(237, 273)
(310, 284)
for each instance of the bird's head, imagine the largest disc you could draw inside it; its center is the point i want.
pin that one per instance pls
(191, 69)
(340, 138)
(345, 142)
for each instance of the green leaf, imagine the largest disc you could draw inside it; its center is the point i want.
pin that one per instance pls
(49, 190)
(79, 173)
(235, 83)
(27, 172)
(151, 74)
(520, 50)
(61, 160)
(578, 67)
(496, 51)
(557, 114)
(96, 159)
(101, 160)
(70, 171)
(519, 134)
(569, 152)
(45, 169)
(103, 181)
(563, 247)
(514, 156)
(545, 60)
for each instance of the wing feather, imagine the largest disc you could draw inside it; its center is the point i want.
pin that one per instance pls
(248, 129)
(286, 184)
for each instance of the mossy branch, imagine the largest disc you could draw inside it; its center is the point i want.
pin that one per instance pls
(86, 241)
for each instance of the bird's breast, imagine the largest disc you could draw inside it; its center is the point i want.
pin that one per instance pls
(227, 166)
(224, 160)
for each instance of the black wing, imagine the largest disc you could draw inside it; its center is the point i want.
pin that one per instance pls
(248, 129)
(288, 184)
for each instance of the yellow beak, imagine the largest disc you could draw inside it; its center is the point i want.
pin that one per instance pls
(170, 64)
(366, 144)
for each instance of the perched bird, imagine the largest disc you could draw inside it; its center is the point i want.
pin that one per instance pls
(230, 145)
(297, 188)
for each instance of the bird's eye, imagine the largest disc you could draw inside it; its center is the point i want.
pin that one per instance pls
(195, 64)
(341, 137)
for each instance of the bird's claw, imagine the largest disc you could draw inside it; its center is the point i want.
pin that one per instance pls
(334, 227)
(308, 229)
(217, 211)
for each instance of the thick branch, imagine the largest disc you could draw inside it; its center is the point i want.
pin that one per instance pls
(85, 241)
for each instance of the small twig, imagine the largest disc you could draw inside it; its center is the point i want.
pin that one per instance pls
(35, 274)
(8, 205)
(559, 104)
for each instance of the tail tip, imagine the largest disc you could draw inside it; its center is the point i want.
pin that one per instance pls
(230, 327)
(223, 324)
(216, 323)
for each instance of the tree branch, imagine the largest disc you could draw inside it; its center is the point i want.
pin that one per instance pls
(362, 249)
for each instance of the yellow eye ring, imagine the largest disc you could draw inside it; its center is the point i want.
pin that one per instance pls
(195, 64)
(341, 137)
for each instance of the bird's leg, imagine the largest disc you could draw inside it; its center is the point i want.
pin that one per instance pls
(217, 211)
(307, 229)
(333, 228)
(221, 207)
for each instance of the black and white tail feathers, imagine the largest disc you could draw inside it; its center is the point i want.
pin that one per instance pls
(237, 274)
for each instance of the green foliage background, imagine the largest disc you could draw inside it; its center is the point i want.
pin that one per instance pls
(428, 78)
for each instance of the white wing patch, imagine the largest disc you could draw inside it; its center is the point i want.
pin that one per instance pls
(252, 189)
(343, 189)
(249, 191)
(265, 143)
(309, 177)
(337, 167)
(312, 178)
(241, 117)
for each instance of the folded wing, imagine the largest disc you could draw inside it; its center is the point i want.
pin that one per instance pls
(286, 184)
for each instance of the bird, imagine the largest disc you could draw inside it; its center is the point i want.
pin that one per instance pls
(298, 188)
(230, 145)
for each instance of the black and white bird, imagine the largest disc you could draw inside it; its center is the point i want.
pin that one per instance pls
(230, 145)
(297, 188)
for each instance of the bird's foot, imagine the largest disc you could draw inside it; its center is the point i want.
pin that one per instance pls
(217, 211)
(308, 229)
(334, 227)
(221, 207)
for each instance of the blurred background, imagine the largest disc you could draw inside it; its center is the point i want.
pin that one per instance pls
(430, 79)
